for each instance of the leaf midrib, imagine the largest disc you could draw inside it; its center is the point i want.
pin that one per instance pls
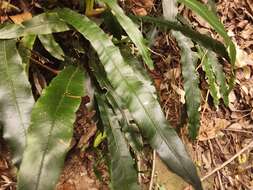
(115, 141)
(137, 39)
(101, 33)
(150, 118)
(51, 130)
(14, 94)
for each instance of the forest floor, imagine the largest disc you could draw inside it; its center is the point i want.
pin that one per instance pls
(223, 150)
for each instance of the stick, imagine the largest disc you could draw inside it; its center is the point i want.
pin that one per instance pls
(153, 171)
(228, 161)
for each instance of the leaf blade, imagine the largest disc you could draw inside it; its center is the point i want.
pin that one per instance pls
(203, 39)
(131, 131)
(219, 76)
(207, 68)
(51, 130)
(213, 20)
(45, 23)
(191, 82)
(25, 47)
(147, 114)
(123, 174)
(132, 31)
(52, 46)
(16, 100)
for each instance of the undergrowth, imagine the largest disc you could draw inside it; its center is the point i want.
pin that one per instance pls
(83, 48)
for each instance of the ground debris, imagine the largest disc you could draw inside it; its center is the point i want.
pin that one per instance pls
(7, 170)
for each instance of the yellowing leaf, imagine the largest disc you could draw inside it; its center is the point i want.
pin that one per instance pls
(18, 19)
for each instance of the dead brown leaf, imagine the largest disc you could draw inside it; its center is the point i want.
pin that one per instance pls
(19, 18)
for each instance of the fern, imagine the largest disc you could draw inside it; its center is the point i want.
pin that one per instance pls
(16, 99)
(51, 130)
(128, 104)
(52, 46)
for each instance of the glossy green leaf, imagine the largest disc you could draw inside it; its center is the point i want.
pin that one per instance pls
(207, 68)
(131, 131)
(16, 100)
(136, 96)
(213, 20)
(219, 76)
(191, 82)
(45, 23)
(202, 39)
(51, 129)
(52, 46)
(132, 31)
(209, 16)
(99, 139)
(28, 41)
(122, 171)
(24, 49)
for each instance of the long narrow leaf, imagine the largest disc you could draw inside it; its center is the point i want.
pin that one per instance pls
(24, 49)
(207, 68)
(142, 104)
(131, 131)
(16, 100)
(52, 46)
(123, 174)
(131, 30)
(219, 76)
(203, 39)
(191, 82)
(45, 23)
(50, 132)
(208, 15)
(213, 20)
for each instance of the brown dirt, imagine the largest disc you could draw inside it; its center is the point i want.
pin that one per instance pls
(7, 172)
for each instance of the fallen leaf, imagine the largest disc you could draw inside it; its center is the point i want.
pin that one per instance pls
(235, 126)
(180, 92)
(19, 18)
(211, 128)
(242, 58)
(247, 72)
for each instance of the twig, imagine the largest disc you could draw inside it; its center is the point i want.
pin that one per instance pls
(158, 54)
(244, 184)
(219, 179)
(153, 171)
(45, 66)
(139, 167)
(214, 163)
(238, 130)
(228, 161)
(205, 105)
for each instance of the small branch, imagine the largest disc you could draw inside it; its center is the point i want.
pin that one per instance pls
(138, 167)
(153, 171)
(228, 161)
(56, 72)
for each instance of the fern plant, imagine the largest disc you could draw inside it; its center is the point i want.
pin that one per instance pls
(40, 132)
